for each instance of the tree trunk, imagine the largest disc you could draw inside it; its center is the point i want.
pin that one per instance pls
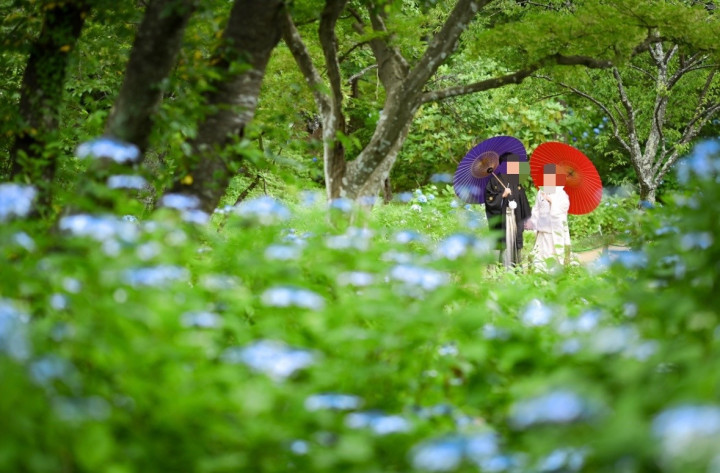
(369, 182)
(252, 33)
(41, 95)
(647, 192)
(404, 88)
(152, 58)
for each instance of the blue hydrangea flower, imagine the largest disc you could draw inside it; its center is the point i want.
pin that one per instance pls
(407, 236)
(403, 197)
(355, 278)
(13, 331)
(427, 279)
(367, 200)
(272, 358)
(310, 198)
(59, 301)
(124, 181)
(219, 282)
(342, 204)
(92, 408)
(331, 401)
(353, 238)
(536, 314)
(25, 241)
(688, 430)
(195, 216)
(180, 201)
(696, 240)
(448, 452)
(459, 244)
(201, 319)
(299, 447)
(378, 422)
(156, 276)
(109, 148)
(563, 460)
(449, 349)
(49, 368)
(609, 340)
(285, 296)
(556, 407)
(263, 210)
(442, 177)
(99, 228)
(282, 252)
(15, 200)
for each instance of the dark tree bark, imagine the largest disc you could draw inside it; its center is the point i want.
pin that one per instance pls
(252, 33)
(41, 94)
(152, 58)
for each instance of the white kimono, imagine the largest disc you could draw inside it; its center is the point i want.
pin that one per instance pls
(550, 222)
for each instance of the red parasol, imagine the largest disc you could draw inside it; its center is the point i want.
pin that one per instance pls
(480, 163)
(582, 182)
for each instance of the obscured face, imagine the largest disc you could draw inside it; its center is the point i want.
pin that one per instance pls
(549, 180)
(513, 167)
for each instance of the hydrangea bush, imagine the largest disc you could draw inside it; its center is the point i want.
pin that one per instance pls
(284, 336)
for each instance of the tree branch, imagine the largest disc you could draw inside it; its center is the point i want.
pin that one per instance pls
(345, 55)
(600, 105)
(443, 43)
(328, 19)
(632, 130)
(513, 78)
(691, 131)
(691, 65)
(392, 66)
(358, 75)
(294, 41)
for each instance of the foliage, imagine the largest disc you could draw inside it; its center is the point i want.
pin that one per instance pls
(131, 344)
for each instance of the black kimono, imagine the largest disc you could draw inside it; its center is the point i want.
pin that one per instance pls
(495, 205)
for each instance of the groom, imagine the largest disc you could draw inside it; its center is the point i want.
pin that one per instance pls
(507, 207)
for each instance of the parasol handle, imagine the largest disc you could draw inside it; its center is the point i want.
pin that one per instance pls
(501, 182)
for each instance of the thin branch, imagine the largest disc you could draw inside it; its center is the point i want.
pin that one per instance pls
(294, 41)
(691, 131)
(546, 6)
(598, 103)
(345, 55)
(513, 78)
(443, 43)
(643, 71)
(357, 75)
(691, 65)
(488, 84)
(708, 84)
(632, 131)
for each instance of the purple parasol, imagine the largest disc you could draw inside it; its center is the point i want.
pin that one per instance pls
(476, 168)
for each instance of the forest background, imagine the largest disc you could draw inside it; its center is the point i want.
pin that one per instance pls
(212, 289)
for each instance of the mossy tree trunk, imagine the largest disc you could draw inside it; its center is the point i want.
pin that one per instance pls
(41, 96)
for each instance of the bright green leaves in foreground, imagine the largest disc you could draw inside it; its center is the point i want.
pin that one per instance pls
(295, 340)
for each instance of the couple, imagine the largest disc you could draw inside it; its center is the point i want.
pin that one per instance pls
(507, 209)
